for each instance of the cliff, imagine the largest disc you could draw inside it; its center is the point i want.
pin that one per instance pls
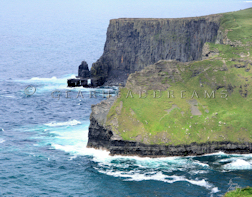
(99, 136)
(134, 43)
(184, 108)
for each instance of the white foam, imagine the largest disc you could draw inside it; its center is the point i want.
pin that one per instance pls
(238, 164)
(66, 148)
(43, 79)
(217, 153)
(198, 172)
(215, 190)
(53, 79)
(136, 175)
(201, 164)
(80, 149)
(2, 140)
(73, 140)
(8, 96)
(227, 160)
(166, 163)
(68, 123)
(73, 157)
(201, 183)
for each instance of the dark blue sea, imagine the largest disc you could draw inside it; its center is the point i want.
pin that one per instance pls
(43, 139)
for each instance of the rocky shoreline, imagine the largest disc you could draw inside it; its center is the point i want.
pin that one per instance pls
(102, 137)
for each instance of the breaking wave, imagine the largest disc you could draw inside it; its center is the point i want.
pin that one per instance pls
(238, 164)
(68, 123)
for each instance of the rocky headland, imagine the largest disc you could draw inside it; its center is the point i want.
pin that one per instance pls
(188, 89)
(102, 136)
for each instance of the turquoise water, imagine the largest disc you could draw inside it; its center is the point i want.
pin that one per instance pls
(43, 139)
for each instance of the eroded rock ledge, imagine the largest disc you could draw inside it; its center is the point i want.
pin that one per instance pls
(102, 137)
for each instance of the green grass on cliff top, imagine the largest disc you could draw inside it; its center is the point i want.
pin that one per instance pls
(239, 25)
(150, 120)
(245, 192)
(226, 119)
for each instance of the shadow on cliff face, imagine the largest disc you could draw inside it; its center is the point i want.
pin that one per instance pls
(117, 77)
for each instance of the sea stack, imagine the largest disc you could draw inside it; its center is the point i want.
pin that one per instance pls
(83, 77)
(83, 71)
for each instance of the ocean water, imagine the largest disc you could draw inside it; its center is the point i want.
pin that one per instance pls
(43, 139)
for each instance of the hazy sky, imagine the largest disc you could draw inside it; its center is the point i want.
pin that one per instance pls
(173, 8)
(107, 9)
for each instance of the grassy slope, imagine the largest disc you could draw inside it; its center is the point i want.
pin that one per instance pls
(239, 25)
(245, 192)
(146, 119)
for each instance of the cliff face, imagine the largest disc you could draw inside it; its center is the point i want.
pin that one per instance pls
(132, 44)
(99, 136)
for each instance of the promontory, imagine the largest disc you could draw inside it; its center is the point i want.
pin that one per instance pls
(185, 86)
